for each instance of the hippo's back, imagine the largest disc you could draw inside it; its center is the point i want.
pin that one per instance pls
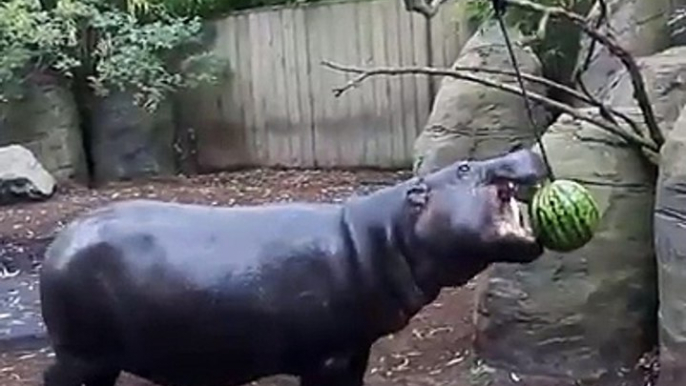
(159, 286)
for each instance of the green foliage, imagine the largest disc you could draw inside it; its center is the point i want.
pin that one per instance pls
(32, 39)
(128, 54)
(556, 45)
(112, 47)
(205, 9)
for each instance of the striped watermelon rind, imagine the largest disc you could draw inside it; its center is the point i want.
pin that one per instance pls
(564, 215)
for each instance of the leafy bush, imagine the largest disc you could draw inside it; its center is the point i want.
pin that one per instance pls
(204, 9)
(32, 39)
(111, 46)
(131, 55)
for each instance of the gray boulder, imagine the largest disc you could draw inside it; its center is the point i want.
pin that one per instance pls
(586, 315)
(469, 120)
(44, 118)
(22, 177)
(637, 25)
(670, 245)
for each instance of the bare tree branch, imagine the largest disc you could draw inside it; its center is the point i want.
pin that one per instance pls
(636, 79)
(428, 8)
(578, 72)
(532, 78)
(570, 91)
(364, 74)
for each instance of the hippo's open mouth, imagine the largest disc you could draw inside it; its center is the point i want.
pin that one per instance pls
(510, 220)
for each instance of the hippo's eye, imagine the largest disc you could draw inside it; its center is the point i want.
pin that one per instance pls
(463, 168)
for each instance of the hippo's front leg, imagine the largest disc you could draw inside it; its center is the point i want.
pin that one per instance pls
(345, 369)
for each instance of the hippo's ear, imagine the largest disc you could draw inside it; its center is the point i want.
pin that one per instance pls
(418, 193)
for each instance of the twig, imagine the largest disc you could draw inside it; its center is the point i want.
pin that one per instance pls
(549, 83)
(589, 55)
(532, 78)
(364, 74)
(626, 58)
(601, 19)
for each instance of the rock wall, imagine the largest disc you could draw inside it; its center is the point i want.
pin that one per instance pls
(665, 81)
(587, 315)
(46, 121)
(469, 120)
(127, 142)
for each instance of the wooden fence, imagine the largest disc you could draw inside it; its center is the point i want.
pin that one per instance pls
(279, 109)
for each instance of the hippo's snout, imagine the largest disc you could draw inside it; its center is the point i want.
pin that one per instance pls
(523, 167)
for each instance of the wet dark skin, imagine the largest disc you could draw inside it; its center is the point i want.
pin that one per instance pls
(190, 295)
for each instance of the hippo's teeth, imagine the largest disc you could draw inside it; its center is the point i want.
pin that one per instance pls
(516, 213)
(521, 223)
(506, 191)
(521, 218)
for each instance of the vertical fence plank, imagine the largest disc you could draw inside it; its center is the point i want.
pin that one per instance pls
(352, 141)
(233, 109)
(338, 125)
(291, 86)
(317, 47)
(383, 130)
(409, 89)
(358, 107)
(311, 21)
(394, 83)
(369, 117)
(242, 79)
(449, 34)
(256, 80)
(231, 104)
(301, 55)
(278, 125)
(421, 57)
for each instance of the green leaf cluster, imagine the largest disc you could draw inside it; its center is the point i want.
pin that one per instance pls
(205, 9)
(114, 48)
(33, 39)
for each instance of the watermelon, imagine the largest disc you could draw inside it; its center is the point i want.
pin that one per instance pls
(564, 215)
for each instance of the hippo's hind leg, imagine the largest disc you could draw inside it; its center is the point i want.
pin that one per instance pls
(68, 371)
(342, 370)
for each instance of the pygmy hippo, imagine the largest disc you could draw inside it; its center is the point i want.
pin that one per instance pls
(191, 295)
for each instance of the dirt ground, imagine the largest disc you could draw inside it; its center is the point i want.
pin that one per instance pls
(435, 349)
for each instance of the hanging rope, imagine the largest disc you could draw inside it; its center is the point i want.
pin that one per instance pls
(499, 9)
